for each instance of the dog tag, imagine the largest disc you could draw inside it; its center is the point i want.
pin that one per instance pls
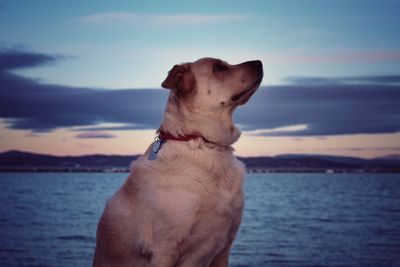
(156, 147)
(152, 155)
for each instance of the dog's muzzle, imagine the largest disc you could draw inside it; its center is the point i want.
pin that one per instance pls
(257, 73)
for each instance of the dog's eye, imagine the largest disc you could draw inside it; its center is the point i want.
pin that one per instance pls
(218, 67)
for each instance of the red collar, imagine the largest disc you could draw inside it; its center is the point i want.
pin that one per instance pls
(167, 136)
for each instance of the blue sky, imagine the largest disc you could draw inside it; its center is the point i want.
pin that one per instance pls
(331, 71)
(130, 44)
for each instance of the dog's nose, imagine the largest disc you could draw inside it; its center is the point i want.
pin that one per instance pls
(256, 65)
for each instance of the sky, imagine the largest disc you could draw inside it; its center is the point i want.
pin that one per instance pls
(83, 77)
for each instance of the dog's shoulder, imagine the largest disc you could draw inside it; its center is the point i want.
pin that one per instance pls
(184, 162)
(185, 170)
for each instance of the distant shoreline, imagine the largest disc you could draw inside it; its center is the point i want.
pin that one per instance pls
(20, 161)
(249, 170)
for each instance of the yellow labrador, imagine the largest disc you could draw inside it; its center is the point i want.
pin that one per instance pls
(182, 203)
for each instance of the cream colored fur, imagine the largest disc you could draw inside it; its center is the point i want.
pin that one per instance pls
(185, 207)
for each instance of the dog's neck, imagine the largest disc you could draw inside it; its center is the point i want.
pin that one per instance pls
(179, 121)
(167, 136)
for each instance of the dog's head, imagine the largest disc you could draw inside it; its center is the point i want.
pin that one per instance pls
(206, 92)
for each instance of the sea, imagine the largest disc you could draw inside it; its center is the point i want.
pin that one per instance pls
(290, 219)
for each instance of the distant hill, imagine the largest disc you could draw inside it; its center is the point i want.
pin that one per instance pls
(390, 160)
(19, 160)
(390, 157)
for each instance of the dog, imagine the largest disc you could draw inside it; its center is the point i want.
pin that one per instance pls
(182, 203)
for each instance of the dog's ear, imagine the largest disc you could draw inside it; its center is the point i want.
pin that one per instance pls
(180, 79)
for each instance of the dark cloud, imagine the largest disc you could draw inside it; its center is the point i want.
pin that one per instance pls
(11, 59)
(43, 108)
(95, 135)
(108, 128)
(328, 108)
(376, 80)
(386, 79)
(371, 148)
(343, 105)
(28, 104)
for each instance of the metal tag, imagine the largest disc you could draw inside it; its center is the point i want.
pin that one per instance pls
(156, 147)
(152, 155)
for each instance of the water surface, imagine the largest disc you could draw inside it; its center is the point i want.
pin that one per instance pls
(50, 219)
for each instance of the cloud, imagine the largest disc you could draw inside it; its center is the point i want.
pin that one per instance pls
(326, 109)
(111, 17)
(382, 79)
(28, 104)
(11, 59)
(161, 19)
(370, 56)
(362, 148)
(90, 135)
(198, 18)
(119, 127)
(305, 108)
(283, 130)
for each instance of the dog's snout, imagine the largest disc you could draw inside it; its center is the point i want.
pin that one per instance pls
(255, 65)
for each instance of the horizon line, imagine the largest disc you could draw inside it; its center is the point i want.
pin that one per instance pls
(238, 156)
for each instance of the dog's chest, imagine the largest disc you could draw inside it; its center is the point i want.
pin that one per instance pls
(220, 200)
(204, 195)
(217, 219)
(197, 202)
